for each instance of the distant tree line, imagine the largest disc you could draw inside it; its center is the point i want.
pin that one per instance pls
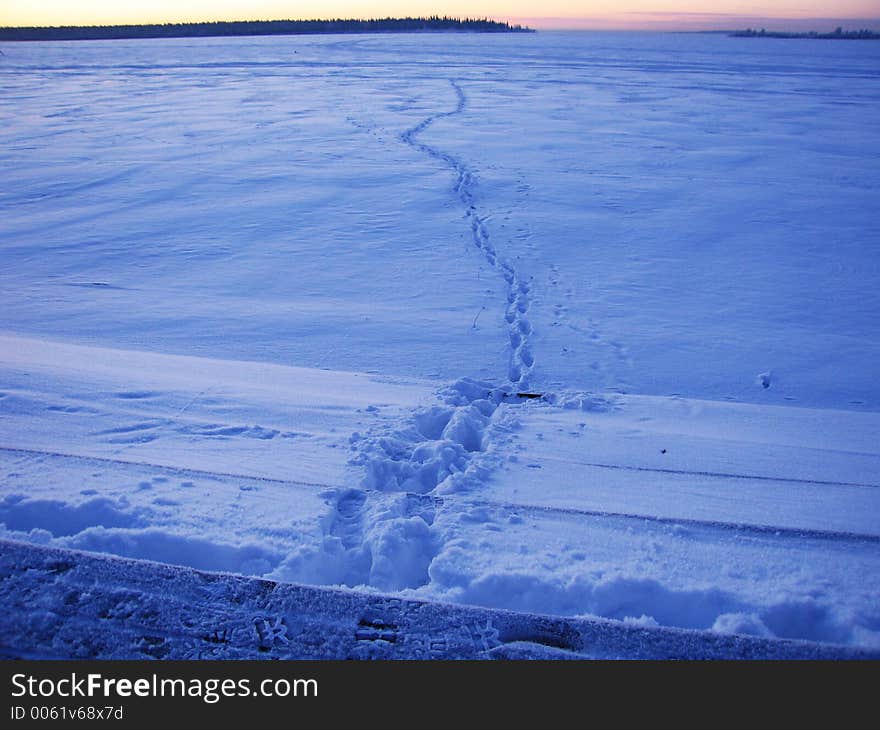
(839, 33)
(434, 23)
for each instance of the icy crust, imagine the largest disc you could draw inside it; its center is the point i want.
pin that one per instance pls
(66, 604)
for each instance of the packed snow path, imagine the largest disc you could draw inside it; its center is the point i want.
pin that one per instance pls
(381, 533)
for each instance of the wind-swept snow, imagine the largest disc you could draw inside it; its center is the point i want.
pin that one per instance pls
(577, 325)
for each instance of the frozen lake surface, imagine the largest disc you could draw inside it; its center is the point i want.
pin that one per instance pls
(266, 303)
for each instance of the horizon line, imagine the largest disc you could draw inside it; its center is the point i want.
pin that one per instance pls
(670, 21)
(623, 21)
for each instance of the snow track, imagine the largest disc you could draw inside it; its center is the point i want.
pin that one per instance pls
(381, 532)
(388, 542)
(348, 504)
(727, 475)
(164, 468)
(737, 527)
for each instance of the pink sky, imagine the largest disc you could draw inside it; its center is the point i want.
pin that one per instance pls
(583, 14)
(697, 21)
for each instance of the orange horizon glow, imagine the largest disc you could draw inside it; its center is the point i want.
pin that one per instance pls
(696, 21)
(546, 15)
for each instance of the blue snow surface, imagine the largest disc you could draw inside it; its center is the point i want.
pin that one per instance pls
(576, 325)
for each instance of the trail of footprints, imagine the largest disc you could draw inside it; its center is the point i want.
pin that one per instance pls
(440, 449)
(383, 527)
(516, 315)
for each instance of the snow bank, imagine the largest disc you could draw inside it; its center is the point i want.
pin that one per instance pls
(151, 611)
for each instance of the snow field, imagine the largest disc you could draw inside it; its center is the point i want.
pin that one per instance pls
(270, 304)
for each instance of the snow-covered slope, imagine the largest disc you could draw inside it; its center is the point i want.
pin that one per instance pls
(278, 308)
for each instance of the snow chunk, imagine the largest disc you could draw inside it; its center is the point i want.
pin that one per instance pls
(402, 549)
(62, 518)
(439, 449)
(749, 624)
(467, 390)
(162, 547)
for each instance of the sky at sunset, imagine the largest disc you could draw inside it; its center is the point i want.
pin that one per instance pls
(598, 14)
